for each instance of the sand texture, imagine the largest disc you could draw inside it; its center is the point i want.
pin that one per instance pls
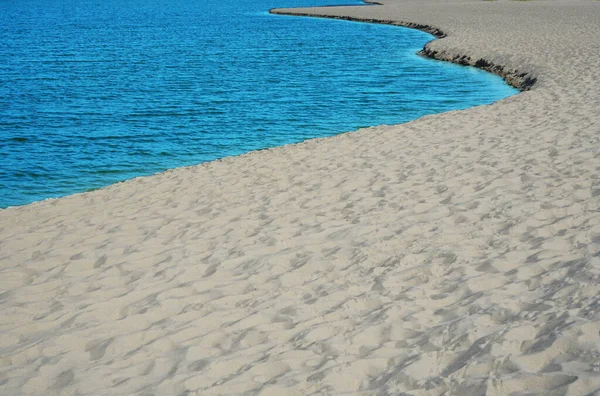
(458, 254)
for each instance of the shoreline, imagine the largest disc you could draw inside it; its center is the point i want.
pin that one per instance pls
(455, 254)
(436, 32)
(521, 80)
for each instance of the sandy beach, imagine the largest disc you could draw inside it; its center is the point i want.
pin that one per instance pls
(457, 254)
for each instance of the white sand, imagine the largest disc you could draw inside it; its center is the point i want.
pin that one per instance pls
(457, 254)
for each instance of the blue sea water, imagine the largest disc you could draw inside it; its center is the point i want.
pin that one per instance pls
(93, 92)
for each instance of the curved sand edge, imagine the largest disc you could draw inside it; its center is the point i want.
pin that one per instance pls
(457, 254)
(522, 80)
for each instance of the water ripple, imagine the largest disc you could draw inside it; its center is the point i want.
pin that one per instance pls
(92, 93)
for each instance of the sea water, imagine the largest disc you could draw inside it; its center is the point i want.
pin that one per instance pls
(93, 92)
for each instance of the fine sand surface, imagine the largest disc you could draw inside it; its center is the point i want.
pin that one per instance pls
(458, 254)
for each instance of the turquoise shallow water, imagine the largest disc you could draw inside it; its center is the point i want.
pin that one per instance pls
(96, 92)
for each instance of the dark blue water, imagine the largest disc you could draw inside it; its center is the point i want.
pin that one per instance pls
(97, 91)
